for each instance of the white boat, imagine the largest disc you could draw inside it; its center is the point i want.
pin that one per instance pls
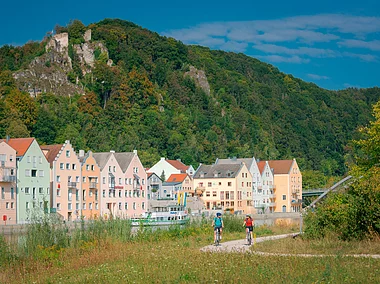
(163, 215)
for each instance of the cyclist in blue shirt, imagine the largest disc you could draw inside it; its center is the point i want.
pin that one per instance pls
(218, 224)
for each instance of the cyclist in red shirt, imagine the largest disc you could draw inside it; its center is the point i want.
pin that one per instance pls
(248, 224)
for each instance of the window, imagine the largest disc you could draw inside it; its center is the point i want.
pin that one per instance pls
(2, 193)
(92, 168)
(126, 181)
(27, 205)
(84, 179)
(87, 167)
(109, 168)
(27, 173)
(209, 184)
(130, 180)
(143, 181)
(242, 184)
(58, 192)
(7, 205)
(84, 206)
(40, 190)
(74, 166)
(67, 166)
(77, 206)
(40, 159)
(27, 190)
(70, 206)
(114, 168)
(77, 178)
(134, 205)
(70, 196)
(119, 193)
(214, 194)
(28, 159)
(11, 158)
(104, 180)
(41, 205)
(58, 206)
(120, 181)
(207, 193)
(67, 153)
(90, 206)
(41, 173)
(222, 195)
(104, 193)
(284, 208)
(229, 183)
(231, 194)
(12, 193)
(120, 207)
(96, 206)
(126, 206)
(283, 197)
(62, 166)
(58, 178)
(34, 173)
(242, 175)
(12, 205)
(143, 205)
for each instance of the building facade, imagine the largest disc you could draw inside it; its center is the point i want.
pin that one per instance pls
(8, 200)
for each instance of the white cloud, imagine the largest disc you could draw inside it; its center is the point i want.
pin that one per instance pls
(311, 36)
(317, 77)
(354, 43)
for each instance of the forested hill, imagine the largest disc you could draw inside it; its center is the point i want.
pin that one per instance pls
(150, 98)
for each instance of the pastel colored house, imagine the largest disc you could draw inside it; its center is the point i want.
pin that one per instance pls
(170, 189)
(7, 184)
(135, 188)
(186, 182)
(65, 177)
(288, 183)
(90, 185)
(33, 182)
(123, 182)
(264, 197)
(225, 186)
(165, 168)
(154, 186)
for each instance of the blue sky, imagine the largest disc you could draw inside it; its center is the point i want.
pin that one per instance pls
(335, 44)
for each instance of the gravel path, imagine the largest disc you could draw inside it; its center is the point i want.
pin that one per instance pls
(240, 246)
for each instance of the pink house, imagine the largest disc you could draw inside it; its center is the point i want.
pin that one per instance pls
(7, 184)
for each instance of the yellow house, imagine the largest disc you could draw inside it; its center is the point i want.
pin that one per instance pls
(288, 184)
(225, 186)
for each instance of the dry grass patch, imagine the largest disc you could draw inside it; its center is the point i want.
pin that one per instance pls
(326, 246)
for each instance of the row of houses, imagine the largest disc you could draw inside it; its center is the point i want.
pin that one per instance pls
(236, 185)
(55, 179)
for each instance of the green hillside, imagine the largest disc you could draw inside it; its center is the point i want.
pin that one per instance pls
(145, 101)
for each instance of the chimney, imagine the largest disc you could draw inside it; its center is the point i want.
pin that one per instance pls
(162, 158)
(135, 152)
(112, 151)
(81, 153)
(179, 160)
(7, 138)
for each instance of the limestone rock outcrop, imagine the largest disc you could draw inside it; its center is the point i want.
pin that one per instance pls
(200, 79)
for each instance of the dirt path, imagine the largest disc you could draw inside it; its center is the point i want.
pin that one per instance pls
(240, 246)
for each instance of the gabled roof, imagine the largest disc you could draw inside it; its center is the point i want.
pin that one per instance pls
(247, 161)
(102, 158)
(222, 170)
(261, 166)
(178, 165)
(281, 166)
(21, 145)
(51, 152)
(124, 159)
(150, 174)
(177, 178)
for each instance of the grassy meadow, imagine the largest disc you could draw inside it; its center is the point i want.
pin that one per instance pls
(110, 253)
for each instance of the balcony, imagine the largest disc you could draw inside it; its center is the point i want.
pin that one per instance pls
(71, 184)
(7, 178)
(93, 185)
(272, 186)
(296, 201)
(271, 204)
(272, 195)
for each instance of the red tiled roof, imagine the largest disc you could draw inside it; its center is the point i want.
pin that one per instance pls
(51, 152)
(178, 165)
(177, 177)
(261, 166)
(281, 166)
(21, 145)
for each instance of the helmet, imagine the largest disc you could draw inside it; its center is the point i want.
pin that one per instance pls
(218, 214)
(247, 216)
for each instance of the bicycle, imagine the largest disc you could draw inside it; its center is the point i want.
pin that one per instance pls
(249, 237)
(217, 238)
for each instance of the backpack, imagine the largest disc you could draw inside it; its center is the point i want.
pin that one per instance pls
(217, 222)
